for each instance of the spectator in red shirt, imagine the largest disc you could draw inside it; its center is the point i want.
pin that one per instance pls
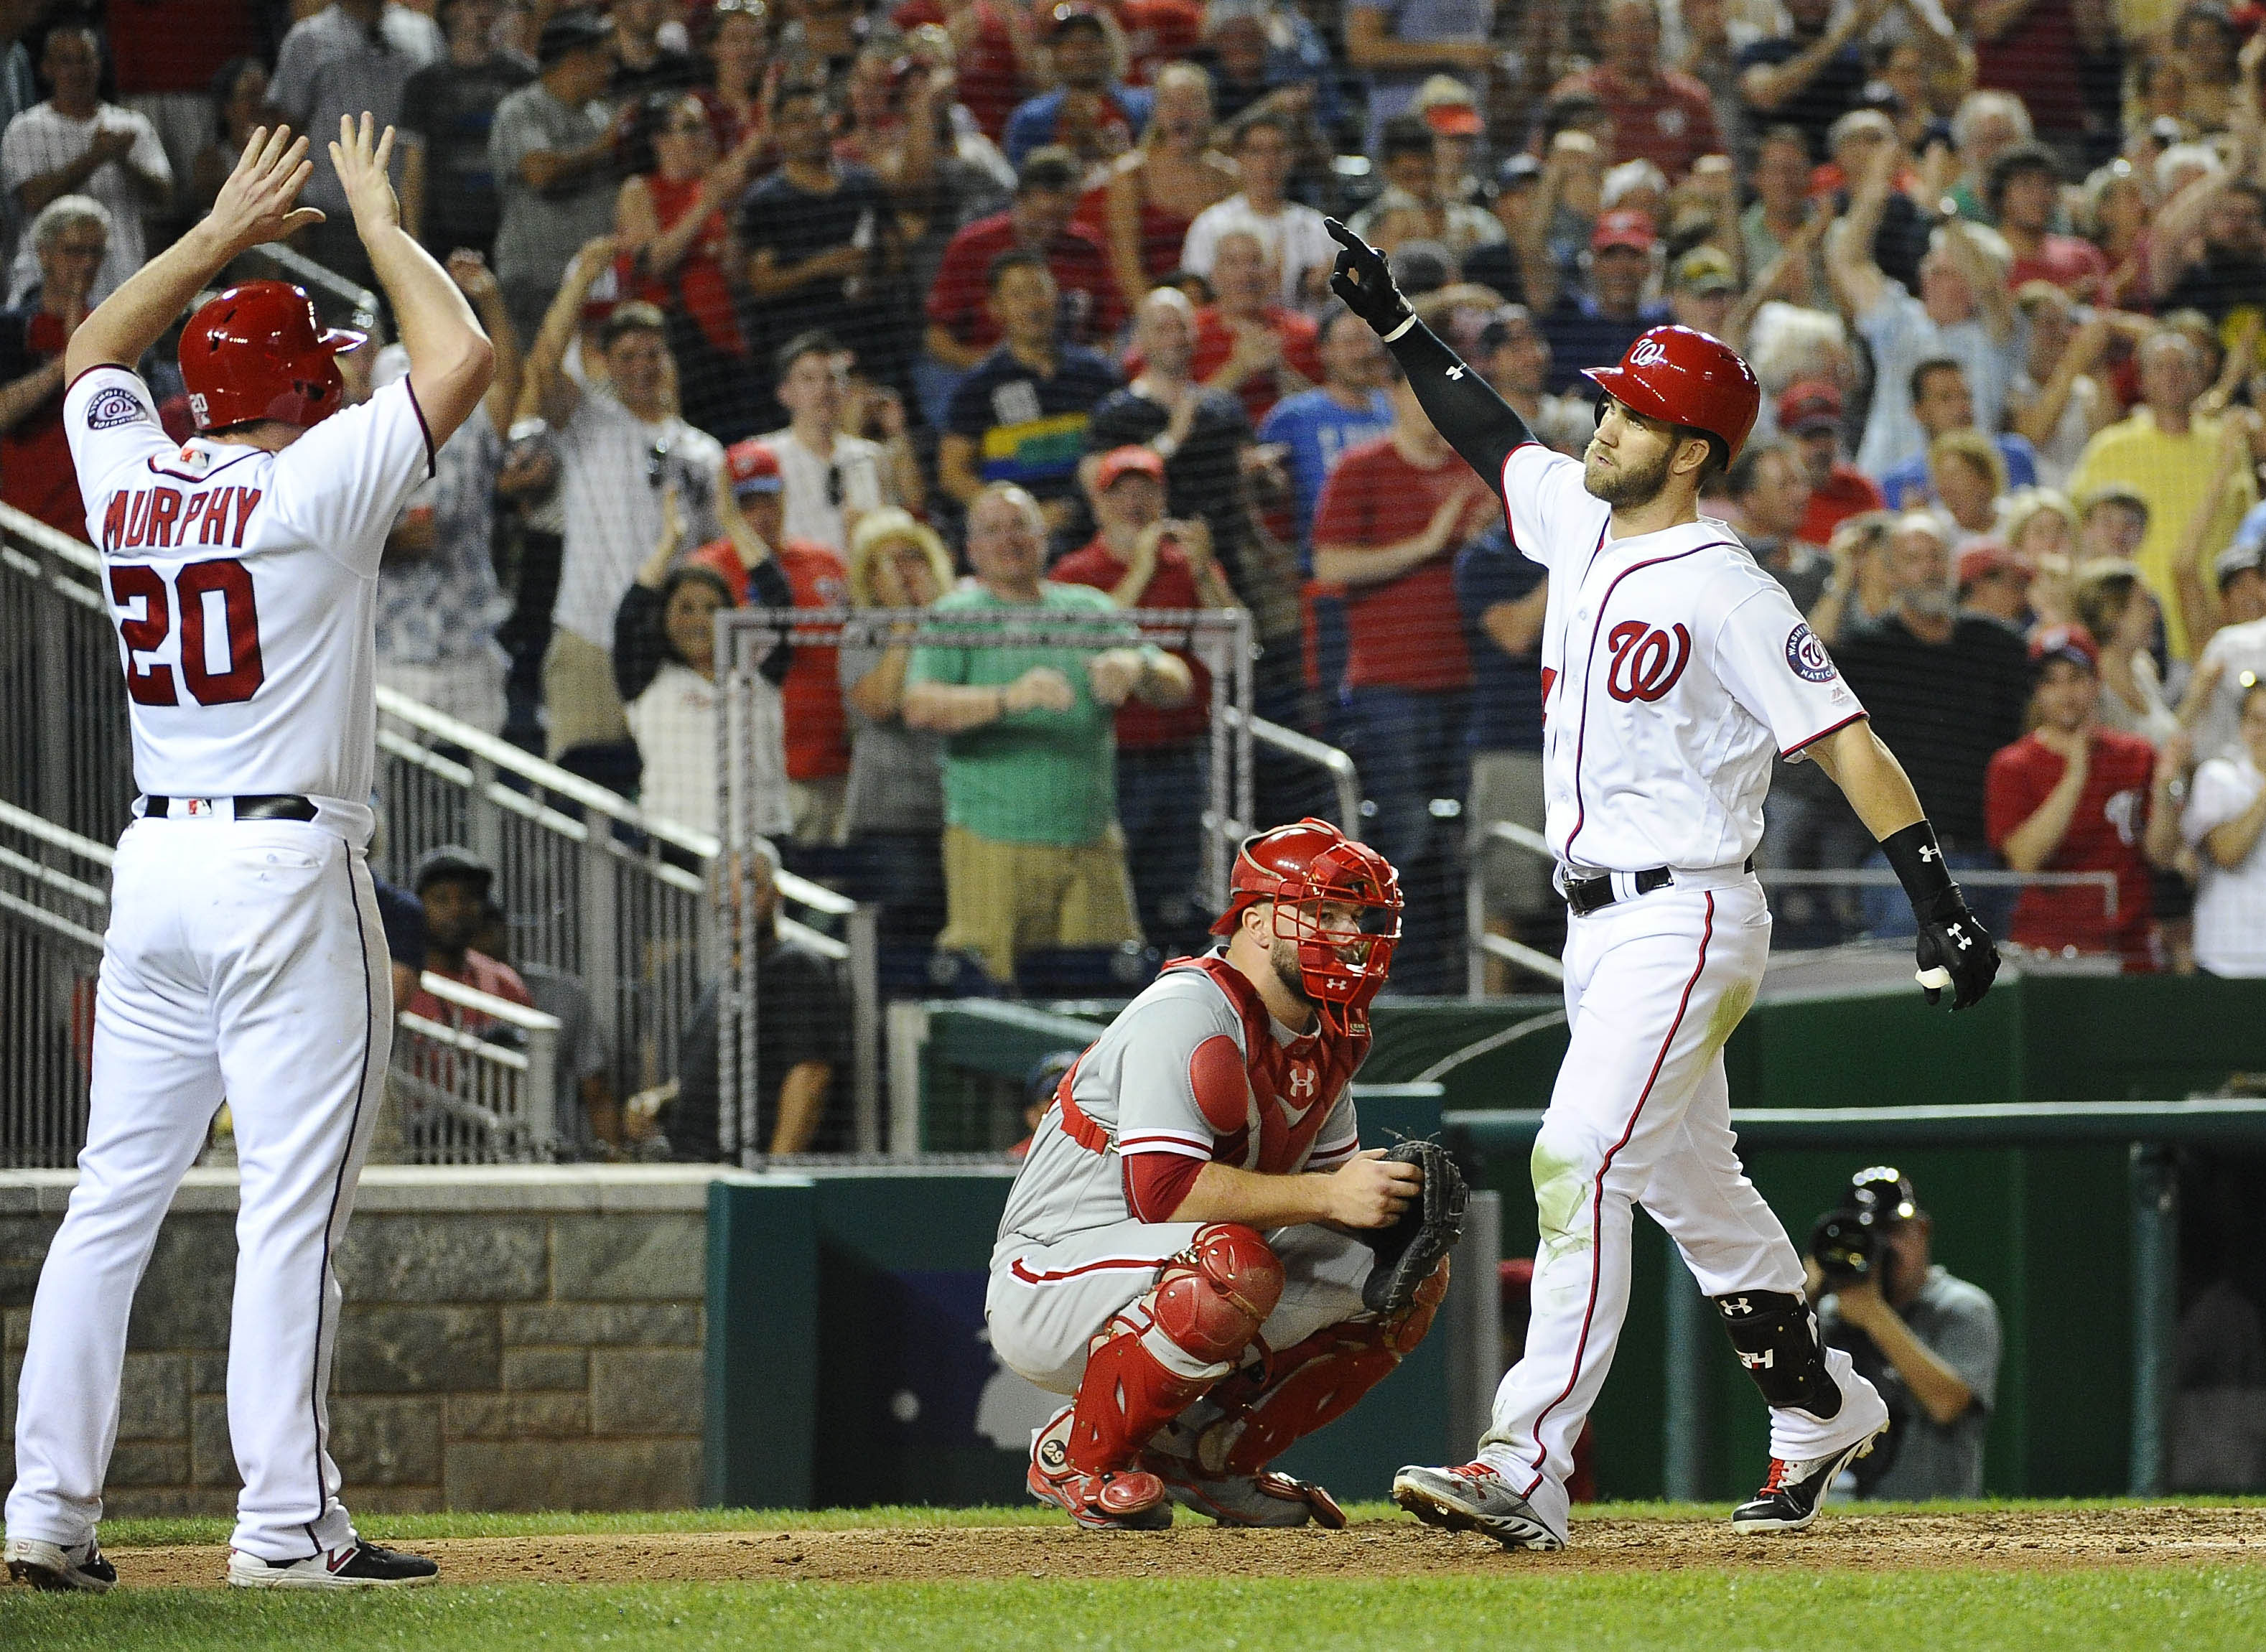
(817, 728)
(1246, 343)
(996, 53)
(1144, 559)
(1810, 413)
(1391, 517)
(960, 329)
(1660, 114)
(2071, 796)
(452, 885)
(69, 237)
(2021, 190)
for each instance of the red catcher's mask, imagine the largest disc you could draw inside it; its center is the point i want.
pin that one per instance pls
(1300, 869)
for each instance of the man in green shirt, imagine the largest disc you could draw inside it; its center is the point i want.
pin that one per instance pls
(1033, 854)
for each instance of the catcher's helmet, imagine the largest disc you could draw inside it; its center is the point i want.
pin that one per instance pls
(259, 352)
(1294, 866)
(1683, 377)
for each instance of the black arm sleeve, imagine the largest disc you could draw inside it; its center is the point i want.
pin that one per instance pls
(1464, 407)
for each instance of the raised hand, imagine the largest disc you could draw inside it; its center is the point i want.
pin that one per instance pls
(473, 277)
(1363, 281)
(256, 204)
(361, 155)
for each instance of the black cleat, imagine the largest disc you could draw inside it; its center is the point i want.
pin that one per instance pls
(1794, 1491)
(358, 1565)
(50, 1566)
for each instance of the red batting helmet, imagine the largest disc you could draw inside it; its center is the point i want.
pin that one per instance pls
(1683, 377)
(258, 352)
(1294, 867)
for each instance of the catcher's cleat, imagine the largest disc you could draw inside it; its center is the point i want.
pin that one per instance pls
(1472, 1497)
(51, 1566)
(1794, 1492)
(1113, 1500)
(1263, 1499)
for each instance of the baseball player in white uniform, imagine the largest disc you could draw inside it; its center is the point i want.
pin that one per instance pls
(243, 959)
(1675, 673)
(1163, 1259)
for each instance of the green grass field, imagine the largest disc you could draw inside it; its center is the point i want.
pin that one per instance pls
(2189, 1607)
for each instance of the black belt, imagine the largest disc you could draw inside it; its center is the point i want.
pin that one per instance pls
(280, 806)
(1594, 891)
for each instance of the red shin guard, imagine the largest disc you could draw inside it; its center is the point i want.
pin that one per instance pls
(1208, 1303)
(1312, 1383)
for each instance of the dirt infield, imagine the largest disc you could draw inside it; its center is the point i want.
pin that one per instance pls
(2011, 1540)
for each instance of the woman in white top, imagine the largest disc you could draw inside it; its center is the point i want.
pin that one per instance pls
(674, 720)
(2226, 816)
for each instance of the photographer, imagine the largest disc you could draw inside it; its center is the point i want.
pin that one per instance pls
(1928, 1341)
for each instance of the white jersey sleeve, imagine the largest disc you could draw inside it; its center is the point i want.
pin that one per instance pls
(341, 485)
(1550, 513)
(1776, 667)
(110, 419)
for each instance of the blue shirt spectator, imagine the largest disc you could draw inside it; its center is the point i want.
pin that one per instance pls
(1506, 688)
(1316, 427)
(1089, 112)
(1907, 486)
(1582, 334)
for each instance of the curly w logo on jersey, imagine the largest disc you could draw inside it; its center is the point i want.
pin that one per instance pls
(1646, 663)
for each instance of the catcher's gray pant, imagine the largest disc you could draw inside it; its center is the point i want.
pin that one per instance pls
(1047, 1302)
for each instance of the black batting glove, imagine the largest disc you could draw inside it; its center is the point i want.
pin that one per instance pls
(1953, 949)
(1362, 279)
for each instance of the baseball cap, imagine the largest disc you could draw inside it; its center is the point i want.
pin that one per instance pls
(1707, 269)
(752, 468)
(1517, 170)
(451, 861)
(2071, 642)
(1496, 332)
(1625, 226)
(1987, 557)
(1446, 105)
(1811, 405)
(1119, 462)
(570, 30)
(2238, 557)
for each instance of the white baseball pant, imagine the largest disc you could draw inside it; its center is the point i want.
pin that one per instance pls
(1641, 1114)
(243, 961)
(1047, 1302)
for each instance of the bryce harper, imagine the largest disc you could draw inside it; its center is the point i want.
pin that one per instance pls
(1675, 672)
(1185, 1250)
(244, 958)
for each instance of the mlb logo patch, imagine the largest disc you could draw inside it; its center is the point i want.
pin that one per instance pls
(115, 406)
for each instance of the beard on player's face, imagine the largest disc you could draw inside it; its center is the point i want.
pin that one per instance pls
(1284, 955)
(1623, 479)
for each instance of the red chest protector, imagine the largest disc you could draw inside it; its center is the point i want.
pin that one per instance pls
(1268, 1120)
(1264, 1110)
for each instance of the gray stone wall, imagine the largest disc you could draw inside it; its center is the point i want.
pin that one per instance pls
(512, 1339)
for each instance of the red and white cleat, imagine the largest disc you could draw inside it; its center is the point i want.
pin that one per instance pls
(1119, 1500)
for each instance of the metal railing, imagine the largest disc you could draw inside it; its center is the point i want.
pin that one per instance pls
(1344, 778)
(607, 893)
(54, 901)
(479, 1088)
(64, 750)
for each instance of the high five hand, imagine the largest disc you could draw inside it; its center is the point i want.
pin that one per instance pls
(256, 203)
(361, 155)
(1363, 281)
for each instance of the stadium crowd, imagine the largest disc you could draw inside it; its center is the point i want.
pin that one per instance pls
(994, 305)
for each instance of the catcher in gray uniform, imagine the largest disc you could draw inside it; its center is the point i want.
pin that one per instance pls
(1196, 1249)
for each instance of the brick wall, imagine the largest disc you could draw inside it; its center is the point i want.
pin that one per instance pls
(512, 1340)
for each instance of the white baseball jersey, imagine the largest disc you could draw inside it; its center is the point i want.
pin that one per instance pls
(1674, 670)
(244, 585)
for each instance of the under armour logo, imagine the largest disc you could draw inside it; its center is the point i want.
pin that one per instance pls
(1457, 372)
(1762, 1361)
(1737, 1304)
(1928, 851)
(1958, 933)
(1304, 1081)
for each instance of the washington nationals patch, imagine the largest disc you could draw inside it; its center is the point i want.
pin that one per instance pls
(112, 407)
(1806, 655)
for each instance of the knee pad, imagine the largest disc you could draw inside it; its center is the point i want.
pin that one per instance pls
(1776, 1336)
(1213, 1296)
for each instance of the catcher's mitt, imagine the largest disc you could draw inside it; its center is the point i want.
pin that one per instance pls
(1412, 1247)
